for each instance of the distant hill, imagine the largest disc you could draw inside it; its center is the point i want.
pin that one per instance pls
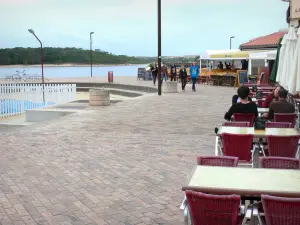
(29, 56)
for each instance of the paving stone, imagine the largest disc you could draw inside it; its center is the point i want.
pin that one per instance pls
(122, 164)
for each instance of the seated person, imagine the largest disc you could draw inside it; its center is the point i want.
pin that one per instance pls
(236, 99)
(272, 97)
(244, 106)
(282, 105)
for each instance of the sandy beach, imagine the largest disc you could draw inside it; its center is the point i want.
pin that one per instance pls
(66, 65)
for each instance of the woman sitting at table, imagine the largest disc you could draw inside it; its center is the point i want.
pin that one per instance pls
(244, 106)
(270, 98)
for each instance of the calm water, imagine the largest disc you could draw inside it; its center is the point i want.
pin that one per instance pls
(54, 72)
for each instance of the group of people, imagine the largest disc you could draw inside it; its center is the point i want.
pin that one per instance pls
(194, 73)
(228, 66)
(276, 102)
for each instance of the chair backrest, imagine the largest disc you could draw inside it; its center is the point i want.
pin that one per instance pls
(236, 124)
(226, 161)
(260, 103)
(244, 117)
(238, 145)
(281, 211)
(285, 117)
(283, 146)
(278, 125)
(208, 209)
(279, 163)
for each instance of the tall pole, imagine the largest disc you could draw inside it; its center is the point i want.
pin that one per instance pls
(91, 52)
(159, 45)
(231, 40)
(42, 62)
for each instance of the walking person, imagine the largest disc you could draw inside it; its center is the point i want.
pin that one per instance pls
(194, 72)
(183, 77)
(154, 71)
(164, 72)
(173, 72)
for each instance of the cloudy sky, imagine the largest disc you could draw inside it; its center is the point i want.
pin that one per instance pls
(189, 27)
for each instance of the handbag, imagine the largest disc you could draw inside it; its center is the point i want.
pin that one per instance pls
(258, 95)
(254, 88)
(260, 124)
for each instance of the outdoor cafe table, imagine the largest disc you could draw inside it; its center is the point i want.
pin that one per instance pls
(255, 100)
(256, 133)
(262, 110)
(247, 182)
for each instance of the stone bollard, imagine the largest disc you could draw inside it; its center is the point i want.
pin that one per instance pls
(99, 97)
(169, 87)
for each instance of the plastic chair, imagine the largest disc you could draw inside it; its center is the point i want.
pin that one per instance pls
(260, 103)
(283, 146)
(236, 124)
(209, 209)
(238, 145)
(285, 117)
(279, 163)
(244, 117)
(279, 211)
(226, 161)
(278, 125)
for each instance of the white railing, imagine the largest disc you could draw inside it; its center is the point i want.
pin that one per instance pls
(15, 99)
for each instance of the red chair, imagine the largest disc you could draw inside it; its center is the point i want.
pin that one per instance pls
(209, 209)
(278, 125)
(244, 117)
(238, 145)
(280, 211)
(260, 103)
(226, 161)
(236, 124)
(279, 163)
(285, 117)
(283, 146)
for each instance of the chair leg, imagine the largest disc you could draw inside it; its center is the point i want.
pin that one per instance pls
(217, 146)
(186, 215)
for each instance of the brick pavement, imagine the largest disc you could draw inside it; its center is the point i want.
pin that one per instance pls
(123, 164)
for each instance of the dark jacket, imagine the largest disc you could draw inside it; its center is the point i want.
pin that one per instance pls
(182, 73)
(241, 108)
(173, 68)
(154, 70)
(280, 106)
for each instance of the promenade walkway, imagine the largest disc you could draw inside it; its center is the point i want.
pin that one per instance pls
(123, 164)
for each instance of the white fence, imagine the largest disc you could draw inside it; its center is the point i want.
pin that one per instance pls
(17, 98)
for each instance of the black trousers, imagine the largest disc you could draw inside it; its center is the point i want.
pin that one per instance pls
(154, 78)
(183, 82)
(173, 77)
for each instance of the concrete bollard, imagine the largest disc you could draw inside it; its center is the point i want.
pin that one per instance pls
(99, 97)
(169, 87)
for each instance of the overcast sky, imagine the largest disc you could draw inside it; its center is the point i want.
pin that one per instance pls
(189, 27)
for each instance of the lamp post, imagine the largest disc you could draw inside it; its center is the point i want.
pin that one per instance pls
(159, 45)
(42, 62)
(91, 52)
(231, 40)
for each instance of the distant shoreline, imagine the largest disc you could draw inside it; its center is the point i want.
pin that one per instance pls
(66, 65)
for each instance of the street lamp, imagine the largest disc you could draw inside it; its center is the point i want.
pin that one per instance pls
(231, 40)
(42, 62)
(91, 52)
(159, 45)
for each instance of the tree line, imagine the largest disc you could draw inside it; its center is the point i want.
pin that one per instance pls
(29, 56)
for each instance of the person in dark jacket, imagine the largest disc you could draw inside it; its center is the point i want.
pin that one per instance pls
(236, 99)
(244, 106)
(154, 71)
(183, 77)
(173, 72)
(282, 105)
